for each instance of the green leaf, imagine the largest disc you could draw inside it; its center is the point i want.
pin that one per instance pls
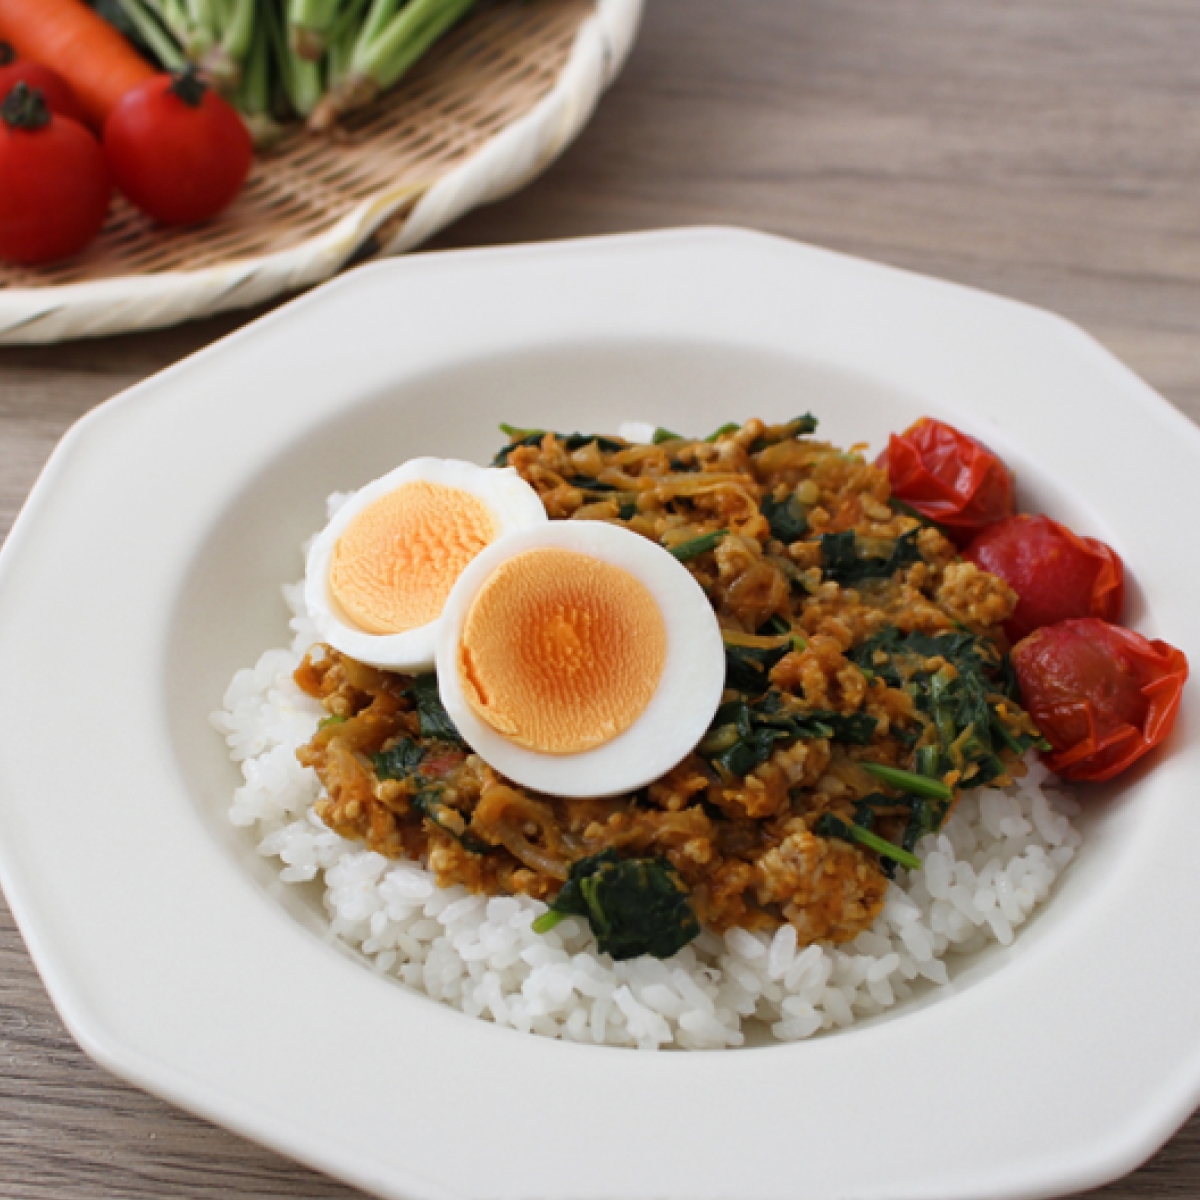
(528, 438)
(635, 906)
(399, 761)
(577, 441)
(787, 518)
(435, 721)
(857, 729)
(842, 561)
(796, 427)
(744, 733)
(747, 668)
(533, 437)
(961, 703)
(665, 435)
(586, 484)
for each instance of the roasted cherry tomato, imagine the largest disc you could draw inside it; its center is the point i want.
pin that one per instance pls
(1056, 574)
(948, 477)
(59, 95)
(54, 185)
(177, 150)
(1101, 695)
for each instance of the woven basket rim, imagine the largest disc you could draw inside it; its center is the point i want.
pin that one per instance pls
(505, 162)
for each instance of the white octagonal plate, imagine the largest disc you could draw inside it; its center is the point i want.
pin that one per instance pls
(146, 568)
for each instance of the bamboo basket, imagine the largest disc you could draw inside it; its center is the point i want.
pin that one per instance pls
(487, 110)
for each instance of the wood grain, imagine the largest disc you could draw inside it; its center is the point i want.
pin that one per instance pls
(1046, 149)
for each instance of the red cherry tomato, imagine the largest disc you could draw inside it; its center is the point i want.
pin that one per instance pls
(1056, 574)
(58, 93)
(54, 185)
(1101, 695)
(177, 150)
(948, 477)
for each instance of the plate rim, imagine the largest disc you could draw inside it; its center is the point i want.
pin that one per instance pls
(385, 1177)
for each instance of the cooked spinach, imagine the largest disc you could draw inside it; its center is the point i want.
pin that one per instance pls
(518, 437)
(400, 761)
(844, 563)
(577, 441)
(435, 721)
(586, 484)
(909, 782)
(855, 728)
(635, 906)
(787, 518)
(717, 434)
(743, 732)
(686, 551)
(961, 704)
(747, 667)
(428, 802)
(830, 826)
(403, 761)
(796, 427)
(533, 437)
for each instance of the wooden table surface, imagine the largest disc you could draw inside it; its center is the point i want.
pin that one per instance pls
(1047, 149)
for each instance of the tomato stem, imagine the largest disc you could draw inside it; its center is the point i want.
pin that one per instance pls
(25, 108)
(189, 86)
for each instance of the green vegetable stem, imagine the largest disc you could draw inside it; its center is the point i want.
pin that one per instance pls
(281, 59)
(686, 551)
(368, 57)
(908, 781)
(216, 35)
(309, 26)
(831, 826)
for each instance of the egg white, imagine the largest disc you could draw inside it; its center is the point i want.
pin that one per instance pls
(512, 502)
(679, 712)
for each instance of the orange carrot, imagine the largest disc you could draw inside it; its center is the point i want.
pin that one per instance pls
(82, 47)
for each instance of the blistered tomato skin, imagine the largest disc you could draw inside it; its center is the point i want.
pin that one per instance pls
(1057, 574)
(1101, 695)
(948, 477)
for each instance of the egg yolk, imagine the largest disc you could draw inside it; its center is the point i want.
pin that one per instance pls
(397, 560)
(560, 652)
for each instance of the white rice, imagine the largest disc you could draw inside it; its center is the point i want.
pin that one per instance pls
(992, 864)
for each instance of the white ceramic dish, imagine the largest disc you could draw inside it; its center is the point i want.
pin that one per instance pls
(145, 569)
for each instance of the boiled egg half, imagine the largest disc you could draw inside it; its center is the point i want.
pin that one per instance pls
(579, 659)
(378, 575)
